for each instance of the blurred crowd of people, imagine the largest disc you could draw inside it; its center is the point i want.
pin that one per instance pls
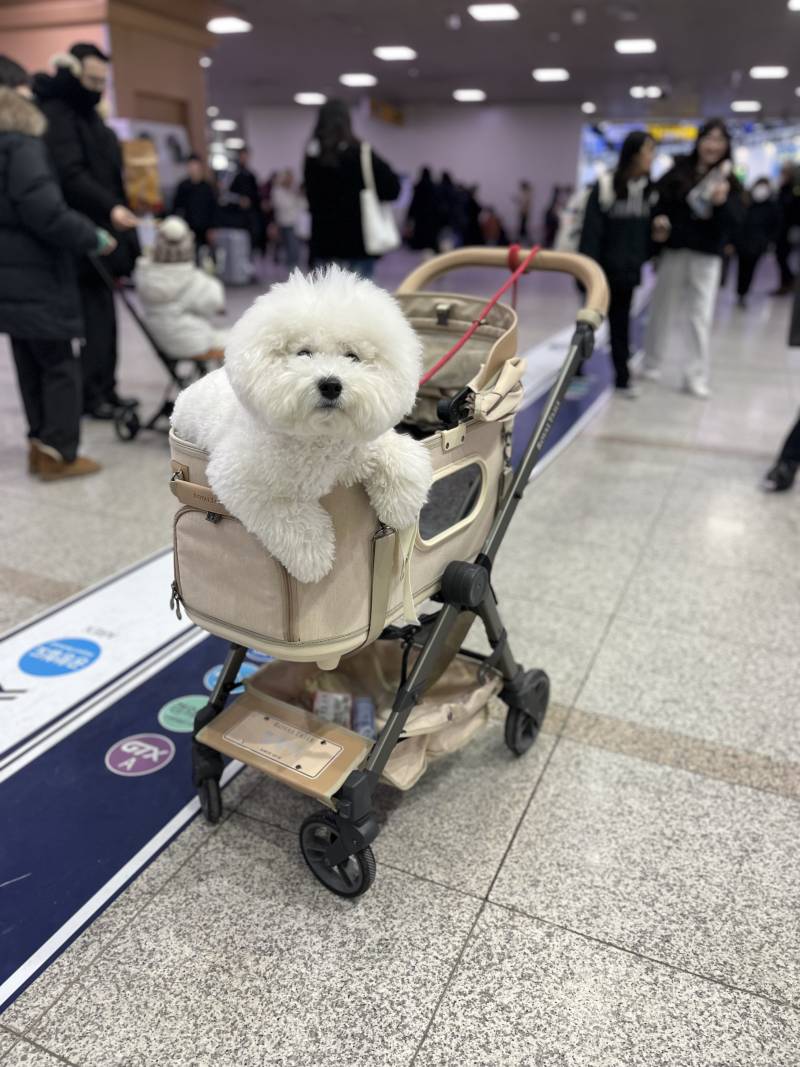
(65, 206)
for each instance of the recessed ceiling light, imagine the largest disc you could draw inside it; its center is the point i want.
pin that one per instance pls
(235, 143)
(390, 52)
(745, 105)
(493, 12)
(794, 5)
(228, 24)
(588, 108)
(223, 125)
(354, 80)
(634, 46)
(310, 99)
(219, 161)
(550, 74)
(769, 72)
(469, 96)
(206, 61)
(453, 22)
(212, 111)
(797, 91)
(650, 92)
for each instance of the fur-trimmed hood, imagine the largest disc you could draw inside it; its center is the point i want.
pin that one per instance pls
(18, 115)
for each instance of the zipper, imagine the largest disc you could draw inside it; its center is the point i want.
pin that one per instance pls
(175, 600)
(187, 446)
(289, 599)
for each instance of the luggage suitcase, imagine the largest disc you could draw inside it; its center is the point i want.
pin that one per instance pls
(233, 257)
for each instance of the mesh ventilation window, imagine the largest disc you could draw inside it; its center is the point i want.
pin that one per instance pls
(452, 499)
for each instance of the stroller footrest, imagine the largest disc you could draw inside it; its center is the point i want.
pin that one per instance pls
(305, 752)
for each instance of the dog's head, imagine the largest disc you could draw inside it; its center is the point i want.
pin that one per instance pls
(325, 355)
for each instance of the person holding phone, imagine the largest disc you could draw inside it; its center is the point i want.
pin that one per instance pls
(698, 213)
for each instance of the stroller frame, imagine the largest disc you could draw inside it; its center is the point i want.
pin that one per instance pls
(336, 843)
(127, 423)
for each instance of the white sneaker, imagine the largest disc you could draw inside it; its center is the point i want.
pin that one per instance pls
(629, 391)
(697, 388)
(652, 374)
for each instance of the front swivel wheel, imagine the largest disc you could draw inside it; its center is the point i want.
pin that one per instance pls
(350, 878)
(527, 702)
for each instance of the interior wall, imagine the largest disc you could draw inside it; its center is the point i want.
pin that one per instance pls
(32, 32)
(492, 146)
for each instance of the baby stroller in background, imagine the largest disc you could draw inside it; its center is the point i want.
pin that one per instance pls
(182, 372)
(431, 696)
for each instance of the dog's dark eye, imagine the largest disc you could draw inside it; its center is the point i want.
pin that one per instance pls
(304, 352)
(353, 356)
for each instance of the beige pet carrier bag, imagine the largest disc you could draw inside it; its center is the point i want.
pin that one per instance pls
(229, 584)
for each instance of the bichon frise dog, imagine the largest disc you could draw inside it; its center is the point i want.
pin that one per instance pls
(317, 373)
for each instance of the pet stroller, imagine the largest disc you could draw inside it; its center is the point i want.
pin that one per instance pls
(181, 372)
(343, 636)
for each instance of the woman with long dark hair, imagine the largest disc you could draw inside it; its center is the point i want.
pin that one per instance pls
(333, 183)
(699, 211)
(616, 232)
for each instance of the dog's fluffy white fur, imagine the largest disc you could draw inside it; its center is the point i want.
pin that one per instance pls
(277, 444)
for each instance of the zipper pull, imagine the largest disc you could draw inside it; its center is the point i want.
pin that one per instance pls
(175, 601)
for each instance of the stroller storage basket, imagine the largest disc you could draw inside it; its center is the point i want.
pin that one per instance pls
(273, 728)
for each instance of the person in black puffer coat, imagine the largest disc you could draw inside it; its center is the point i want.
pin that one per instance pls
(40, 238)
(758, 231)
(616, 233)
(88, 162)
(333, 184)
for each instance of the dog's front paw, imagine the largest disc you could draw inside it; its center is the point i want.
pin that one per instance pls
(309, 546)
(405, 497)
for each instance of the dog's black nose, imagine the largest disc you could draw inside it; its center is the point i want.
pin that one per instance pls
(331, 388)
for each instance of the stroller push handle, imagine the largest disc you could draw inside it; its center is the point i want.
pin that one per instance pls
(582, 268)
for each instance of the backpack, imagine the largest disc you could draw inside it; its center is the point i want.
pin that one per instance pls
(570, 224)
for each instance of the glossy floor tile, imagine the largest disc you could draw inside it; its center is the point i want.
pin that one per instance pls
(529, 993)
(693, 872)
(296, 973)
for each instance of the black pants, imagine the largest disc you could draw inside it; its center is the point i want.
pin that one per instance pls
(99, 354)
(619, 320)
(49, 378)
(747, 268)
(790, 453)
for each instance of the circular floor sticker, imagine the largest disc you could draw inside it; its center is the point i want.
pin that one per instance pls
(64, 656)
(210, 677)
(140, 754)
(178, 714)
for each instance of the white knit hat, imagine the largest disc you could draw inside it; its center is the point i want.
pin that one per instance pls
(174, 242)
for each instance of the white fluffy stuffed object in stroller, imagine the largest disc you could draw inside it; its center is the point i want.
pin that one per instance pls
(317, 373)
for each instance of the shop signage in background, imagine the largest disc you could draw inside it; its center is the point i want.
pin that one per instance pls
(388, 113)
(677, 132)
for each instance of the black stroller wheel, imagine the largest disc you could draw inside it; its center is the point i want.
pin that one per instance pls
(210, 800)
(348, 879)
(126, 424)
(524, 721)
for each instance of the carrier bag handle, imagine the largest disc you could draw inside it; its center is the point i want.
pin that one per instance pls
(582, 268)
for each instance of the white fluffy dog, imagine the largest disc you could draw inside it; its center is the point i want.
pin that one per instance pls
(317, 372)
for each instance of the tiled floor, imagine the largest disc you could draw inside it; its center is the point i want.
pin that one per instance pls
(627, 894)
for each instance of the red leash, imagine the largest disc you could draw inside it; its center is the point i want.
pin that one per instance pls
(518, 269)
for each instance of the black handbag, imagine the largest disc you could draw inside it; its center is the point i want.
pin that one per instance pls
(794, 328)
